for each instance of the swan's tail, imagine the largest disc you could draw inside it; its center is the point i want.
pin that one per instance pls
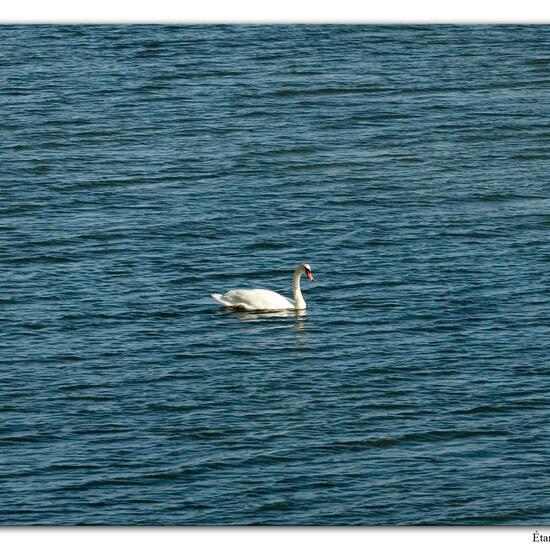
(219, 298)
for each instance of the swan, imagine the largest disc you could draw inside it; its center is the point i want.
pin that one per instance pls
(259, 299)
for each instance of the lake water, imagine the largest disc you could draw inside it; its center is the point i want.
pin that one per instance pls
(146, 167)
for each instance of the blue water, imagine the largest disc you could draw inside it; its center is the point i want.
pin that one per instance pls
(146, 167)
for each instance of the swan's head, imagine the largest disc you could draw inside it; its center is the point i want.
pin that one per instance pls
(306, 269)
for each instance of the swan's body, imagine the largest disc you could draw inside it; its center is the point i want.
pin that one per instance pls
(259, 299)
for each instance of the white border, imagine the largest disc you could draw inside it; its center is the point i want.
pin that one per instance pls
(275, 11)
(257, 538)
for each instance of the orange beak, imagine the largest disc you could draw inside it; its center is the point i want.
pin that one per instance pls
(309, 275)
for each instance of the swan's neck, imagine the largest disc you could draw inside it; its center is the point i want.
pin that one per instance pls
(298, 298)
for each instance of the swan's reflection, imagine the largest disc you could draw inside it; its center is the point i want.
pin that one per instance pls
(259, 316)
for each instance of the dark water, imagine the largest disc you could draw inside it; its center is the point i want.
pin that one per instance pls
(145, 167)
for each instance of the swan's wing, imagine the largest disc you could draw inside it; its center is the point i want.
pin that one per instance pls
(254, 300)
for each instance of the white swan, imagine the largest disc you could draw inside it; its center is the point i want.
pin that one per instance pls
(258, 299)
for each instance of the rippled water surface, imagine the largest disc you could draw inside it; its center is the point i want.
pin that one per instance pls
(145, 167)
